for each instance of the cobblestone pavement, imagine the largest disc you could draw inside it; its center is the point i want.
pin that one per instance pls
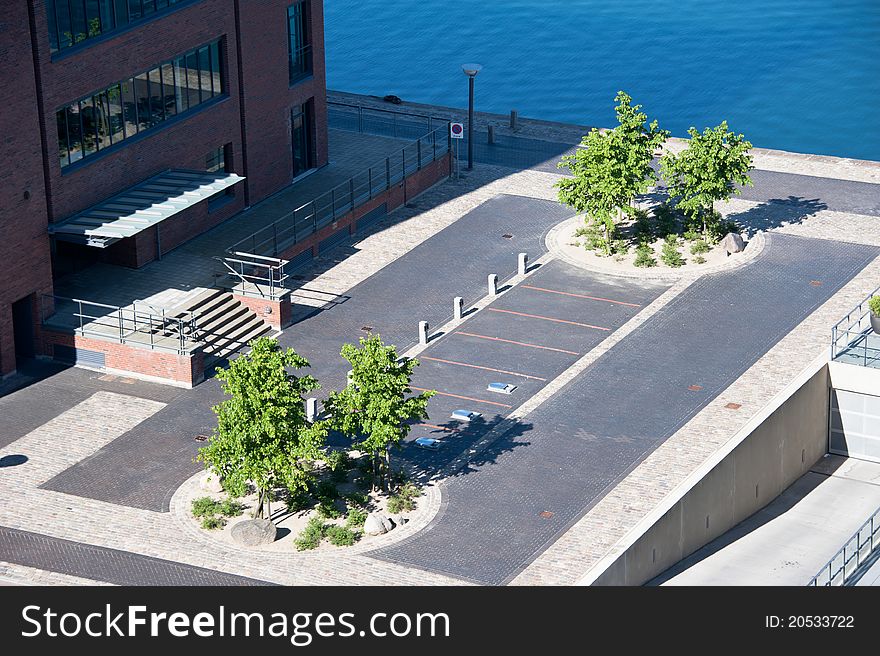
(106, 565)
(144, 466)
(587, 437)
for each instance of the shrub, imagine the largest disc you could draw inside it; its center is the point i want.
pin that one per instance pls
(356, 518)
(357, 499)
(211, 522)
(404, 500)
(326, 490)
(642, 224)
(699, 247)
(342, 536)
(699, 259)
(230, 508)
(619, 247)
(327, 508)
(666, 220)
(338, 463)
(310, 537)
(644, 256)
(298, 501)
(592, 237)
(670, 254)
(692, 235)
(874, 305)
(205, 507)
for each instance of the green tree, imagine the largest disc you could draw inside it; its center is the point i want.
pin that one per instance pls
(262, 433)
(708, 170)
(375, 408)
(612, 167)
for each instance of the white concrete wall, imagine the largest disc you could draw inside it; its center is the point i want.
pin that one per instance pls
(772, 451)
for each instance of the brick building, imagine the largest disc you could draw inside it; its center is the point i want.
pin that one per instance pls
(131, 126)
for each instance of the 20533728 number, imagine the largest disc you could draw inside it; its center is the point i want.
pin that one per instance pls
(809, 622)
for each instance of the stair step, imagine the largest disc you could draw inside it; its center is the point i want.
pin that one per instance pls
(239, 337)
(211, 305)
(217, 321)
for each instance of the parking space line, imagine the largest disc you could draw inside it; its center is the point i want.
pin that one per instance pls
(476, 366)
(591, 298)
(464, 398)
(538, 316)
(510, 341)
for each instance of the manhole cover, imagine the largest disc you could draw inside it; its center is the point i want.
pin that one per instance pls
(367, 329)
(695, 388)
(201, 438)
(816, 283)
(507, 236)
(546, 514)
(733, 406)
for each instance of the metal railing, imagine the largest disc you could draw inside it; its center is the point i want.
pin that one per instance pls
(383, 122)
(260, 275)
(851, 336)
(307, 219)
(154, 328)
(856, 551)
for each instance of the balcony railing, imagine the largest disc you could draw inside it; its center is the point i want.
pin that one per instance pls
(840, 569)
(852, 338)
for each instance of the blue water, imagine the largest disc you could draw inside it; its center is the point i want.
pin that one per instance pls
(799, 75)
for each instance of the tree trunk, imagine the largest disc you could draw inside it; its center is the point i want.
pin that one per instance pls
(388, 470)
(375, 470)
(258, 511)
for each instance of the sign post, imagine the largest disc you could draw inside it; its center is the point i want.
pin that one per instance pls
(456, 131)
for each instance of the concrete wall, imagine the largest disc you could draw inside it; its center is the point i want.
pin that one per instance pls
(767, 456)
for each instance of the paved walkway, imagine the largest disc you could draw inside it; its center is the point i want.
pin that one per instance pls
(790, 539)
(141, 468)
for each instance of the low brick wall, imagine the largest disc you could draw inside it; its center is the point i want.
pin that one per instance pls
(181, 370)
(277, 313)
(398, 195)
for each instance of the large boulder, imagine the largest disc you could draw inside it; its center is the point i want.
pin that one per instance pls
(210, 482)
(377, 524)
(254, 532)
(732, 243)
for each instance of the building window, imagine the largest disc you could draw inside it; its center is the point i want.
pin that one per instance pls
(215, 162)
(73, 21)
(299, 44)
(138, 104)
(301, 138)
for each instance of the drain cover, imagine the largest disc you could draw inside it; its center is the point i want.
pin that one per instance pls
(816, 283)
(201, 438)
(733, 406)
(367, 329)
(695, 388)
(546, 514)
(507, 236)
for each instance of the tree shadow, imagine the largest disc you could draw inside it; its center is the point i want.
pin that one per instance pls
(462, 451)
(778, 212)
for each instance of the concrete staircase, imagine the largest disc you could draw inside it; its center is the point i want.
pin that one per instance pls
(224, 324)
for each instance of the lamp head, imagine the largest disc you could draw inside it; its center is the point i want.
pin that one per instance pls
(471, 70)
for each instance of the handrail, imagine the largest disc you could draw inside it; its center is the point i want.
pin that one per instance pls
(126, 324)
(873, 539)
(853, 328)
(306, 219)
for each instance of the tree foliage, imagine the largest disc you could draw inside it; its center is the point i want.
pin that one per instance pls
(262, 433)
(375, 408)
(612, 167)
(709, 170)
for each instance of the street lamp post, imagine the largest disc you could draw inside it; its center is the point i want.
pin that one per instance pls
(471, 71)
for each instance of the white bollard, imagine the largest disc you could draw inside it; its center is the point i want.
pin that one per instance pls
(311, 409)
(457, 306)
(348, 376)
(522, 263)
(423, 332)
(493, 284)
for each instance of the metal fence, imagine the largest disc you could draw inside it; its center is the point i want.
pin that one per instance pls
(259, 275)
(383, 122)
(307, 219)
(139, 323)
(853, 339)
(839, 570)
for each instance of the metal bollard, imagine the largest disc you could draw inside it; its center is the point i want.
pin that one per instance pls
(493, 284)
(522, 263)
(348, 376)
(423, 333)
(513, 119)
(457, 306)
(491, 134)
(311, 409)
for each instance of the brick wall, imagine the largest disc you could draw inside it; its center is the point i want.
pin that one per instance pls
(24, 245)
(186, 370)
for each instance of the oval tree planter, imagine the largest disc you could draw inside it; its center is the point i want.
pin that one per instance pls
(875, 323)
